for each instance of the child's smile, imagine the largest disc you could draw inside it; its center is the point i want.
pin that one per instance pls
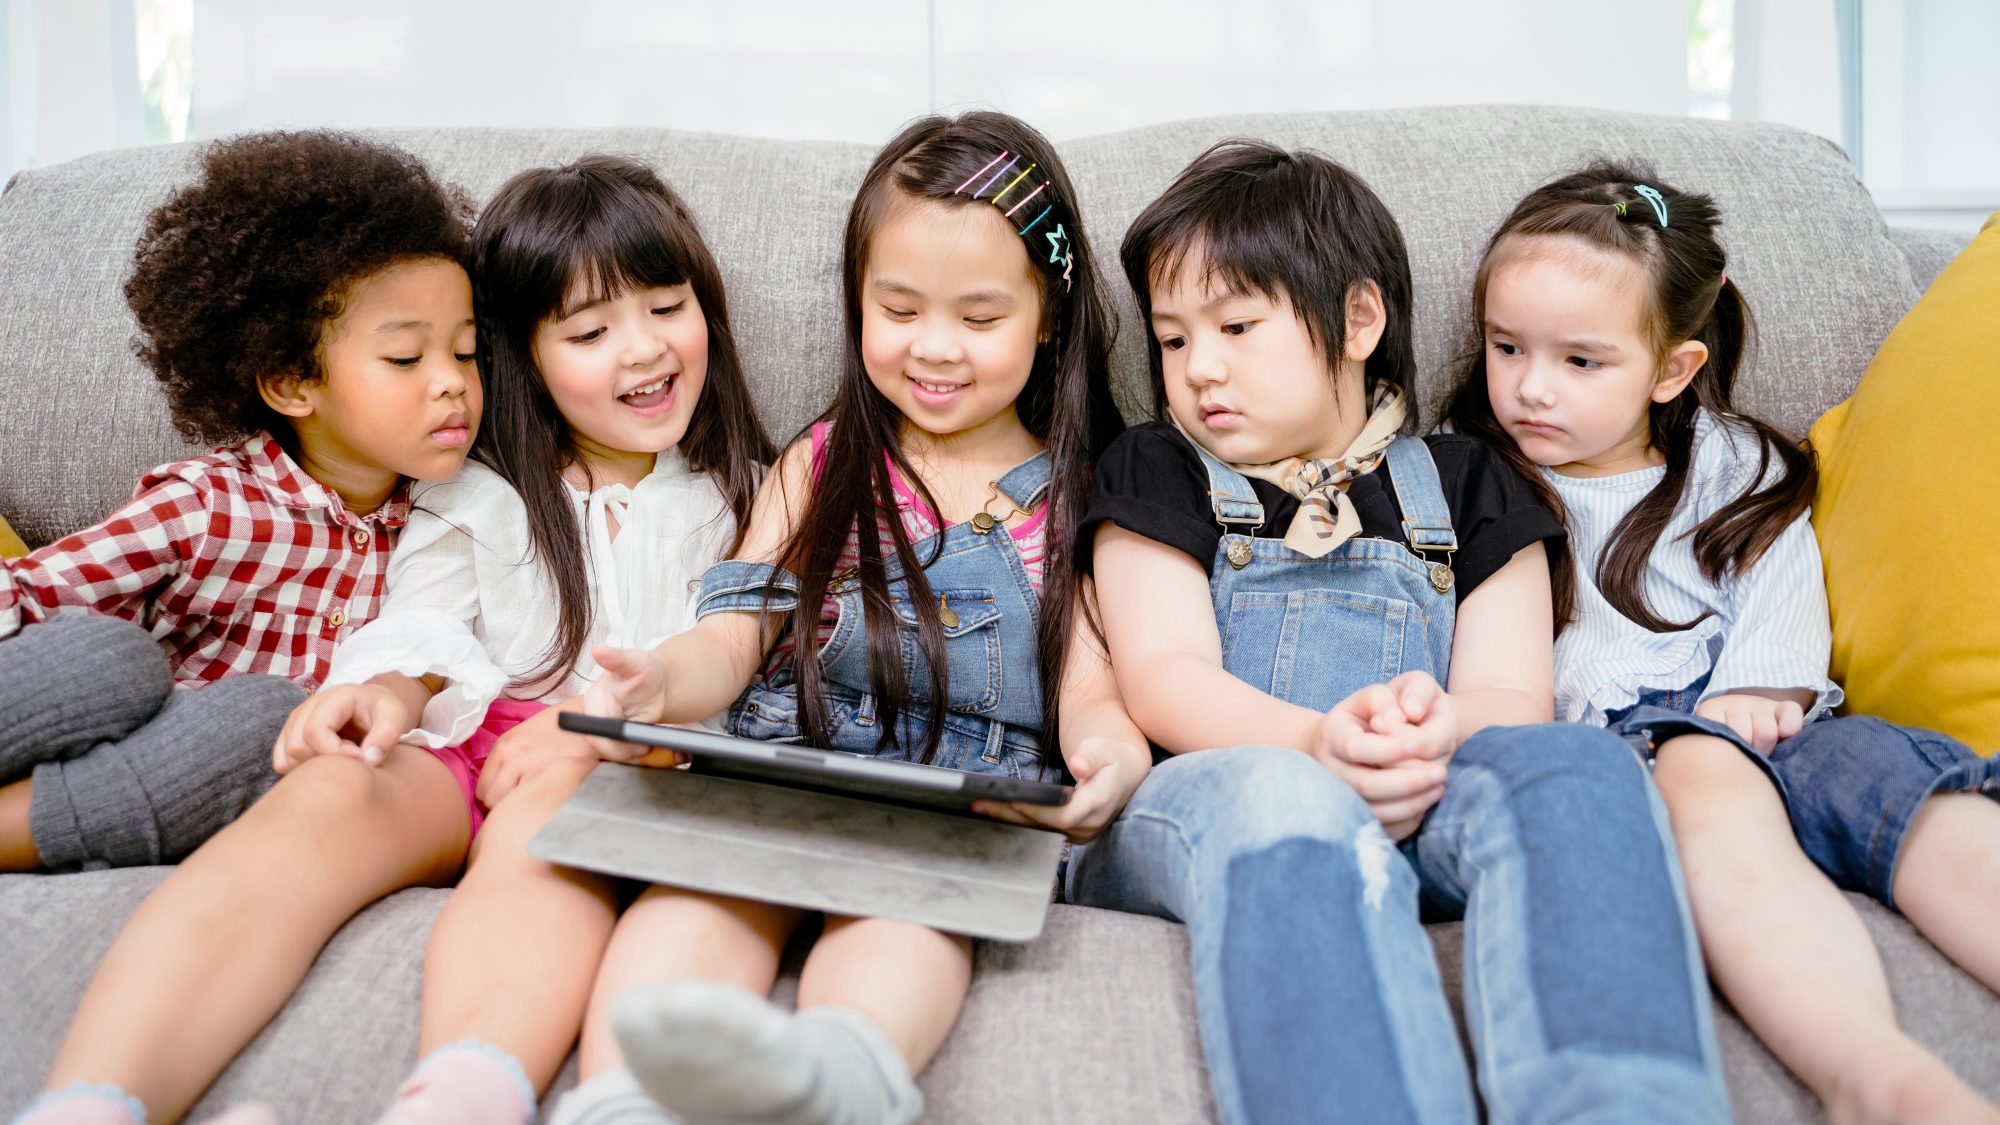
(950, 316)
(626, 371)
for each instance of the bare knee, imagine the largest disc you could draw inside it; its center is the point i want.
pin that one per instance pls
(690, 934)
(1701, 768)
(322, 801)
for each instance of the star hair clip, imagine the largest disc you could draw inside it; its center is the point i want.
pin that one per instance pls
(1060, 243)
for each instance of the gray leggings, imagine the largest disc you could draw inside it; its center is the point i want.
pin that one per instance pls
(127, 769)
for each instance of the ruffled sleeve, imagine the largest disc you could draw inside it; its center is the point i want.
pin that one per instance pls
(430, 623)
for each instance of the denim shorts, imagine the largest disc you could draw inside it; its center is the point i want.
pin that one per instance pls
(1851, 785)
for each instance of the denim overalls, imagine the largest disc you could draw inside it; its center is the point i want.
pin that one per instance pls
(990, 613)
(1315, 987)
(1392, 609)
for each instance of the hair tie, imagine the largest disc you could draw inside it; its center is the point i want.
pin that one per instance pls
(1619, 207)
(1653, 197)
(1058, 240)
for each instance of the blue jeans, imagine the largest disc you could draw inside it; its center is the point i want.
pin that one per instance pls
(1318, 994)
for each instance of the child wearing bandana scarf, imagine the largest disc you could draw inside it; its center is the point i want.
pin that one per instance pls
(1341, 636)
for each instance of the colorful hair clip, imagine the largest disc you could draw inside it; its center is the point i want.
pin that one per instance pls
(981, 172)
(1653, 197)
(1059, 242)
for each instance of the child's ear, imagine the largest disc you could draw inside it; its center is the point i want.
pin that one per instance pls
(289, 395)
(1367, 319)
(1678, 371)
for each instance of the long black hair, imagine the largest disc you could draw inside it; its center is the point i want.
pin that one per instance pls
(613, 225)
(1066, 403)
(1689, 298)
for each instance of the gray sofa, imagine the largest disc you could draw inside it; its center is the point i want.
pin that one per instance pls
(1094, 1022)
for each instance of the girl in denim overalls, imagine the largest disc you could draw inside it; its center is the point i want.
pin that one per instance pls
(893, 596)
(1701, 634)
(1286, 579)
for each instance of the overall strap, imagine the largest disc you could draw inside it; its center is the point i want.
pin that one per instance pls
(1230, 497)
(1026, 483)
(1426, 518)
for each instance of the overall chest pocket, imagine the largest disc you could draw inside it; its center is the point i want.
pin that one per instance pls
(971, 622)
(1316, 647)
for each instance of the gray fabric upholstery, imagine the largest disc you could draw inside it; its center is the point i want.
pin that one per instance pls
(1927, 251)
(1094, 1022)
(1808, 247)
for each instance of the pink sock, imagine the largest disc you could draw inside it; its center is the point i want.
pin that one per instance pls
(84, 1103)
(464, 1083)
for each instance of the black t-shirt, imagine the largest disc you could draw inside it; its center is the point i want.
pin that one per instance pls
(1151, 482)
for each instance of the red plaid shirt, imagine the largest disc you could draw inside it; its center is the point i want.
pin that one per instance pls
(236, 562)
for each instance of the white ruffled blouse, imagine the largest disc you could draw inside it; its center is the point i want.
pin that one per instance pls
(467, 601)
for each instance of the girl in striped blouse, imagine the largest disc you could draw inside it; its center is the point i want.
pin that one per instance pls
(1697, 628)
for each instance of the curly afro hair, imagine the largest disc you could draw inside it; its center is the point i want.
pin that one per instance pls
(238, 274)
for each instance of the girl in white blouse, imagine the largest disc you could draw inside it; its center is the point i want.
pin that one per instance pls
(1698, 629)
(618, 456)
(620, 459)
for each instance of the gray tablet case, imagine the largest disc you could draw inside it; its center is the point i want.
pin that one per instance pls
(820, 851)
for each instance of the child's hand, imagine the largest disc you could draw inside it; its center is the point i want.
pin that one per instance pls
(359, 720)
(1107, 773)
(630, 685)
(527, 750)
(1430, 717)
(1762, 722)
(1389, 742)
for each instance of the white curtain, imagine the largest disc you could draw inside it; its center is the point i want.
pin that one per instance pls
(71, 83)
(855, 71)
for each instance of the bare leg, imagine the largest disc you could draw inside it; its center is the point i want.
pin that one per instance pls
(910, 981)
(512, 954)
(17, 841)
(218, 948)
(1788, 950)
(1948, 880)
(671, 934)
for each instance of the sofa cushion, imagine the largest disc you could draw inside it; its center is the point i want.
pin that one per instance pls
(1094, 1022)
(1805, 240)
(1908, 517)
(11, 546)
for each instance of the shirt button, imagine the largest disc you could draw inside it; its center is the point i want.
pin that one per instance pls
(360, 537)
(336, 619)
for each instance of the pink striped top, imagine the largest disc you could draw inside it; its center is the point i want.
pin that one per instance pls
(919, 523)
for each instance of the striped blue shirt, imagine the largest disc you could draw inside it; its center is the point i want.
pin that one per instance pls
(1767, 628)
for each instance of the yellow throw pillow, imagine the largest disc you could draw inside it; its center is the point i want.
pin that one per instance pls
(11, 546)
(1908, 513)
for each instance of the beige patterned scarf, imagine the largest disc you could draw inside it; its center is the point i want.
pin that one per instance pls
(1326, 517)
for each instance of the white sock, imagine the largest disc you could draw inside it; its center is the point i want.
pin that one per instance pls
(708, 1050)
(611, 1098)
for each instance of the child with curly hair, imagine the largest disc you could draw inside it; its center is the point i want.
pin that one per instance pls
(305, 306)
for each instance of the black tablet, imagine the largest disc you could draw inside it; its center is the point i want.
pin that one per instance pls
(806, 767)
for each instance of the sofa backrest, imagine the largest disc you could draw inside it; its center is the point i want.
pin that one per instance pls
(80, 417)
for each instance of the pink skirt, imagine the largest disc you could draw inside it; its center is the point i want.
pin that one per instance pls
(466, 759)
